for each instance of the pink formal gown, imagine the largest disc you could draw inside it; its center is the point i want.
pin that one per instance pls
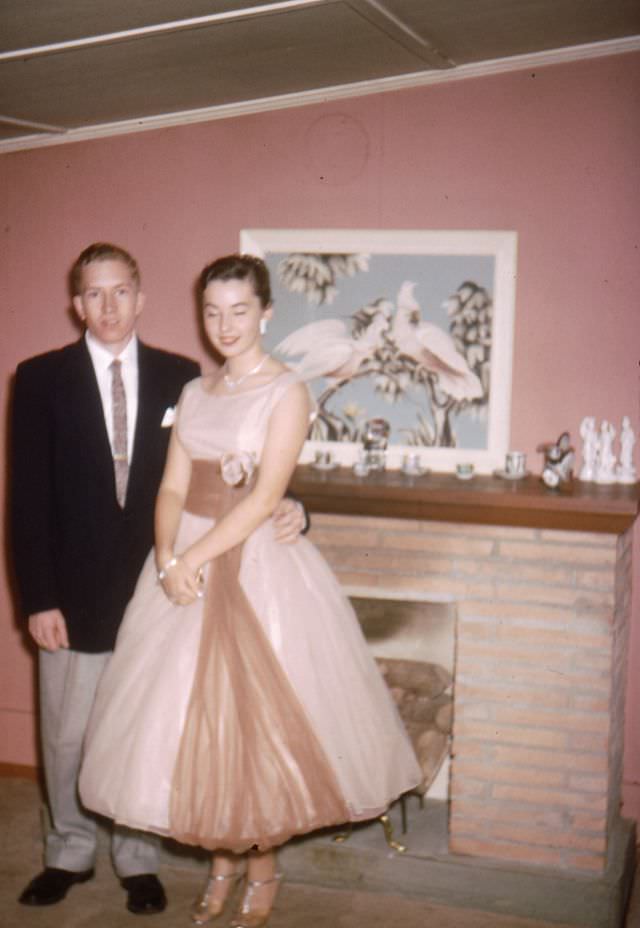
(256, 712)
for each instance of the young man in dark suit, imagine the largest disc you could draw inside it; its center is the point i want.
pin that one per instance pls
(88, 444)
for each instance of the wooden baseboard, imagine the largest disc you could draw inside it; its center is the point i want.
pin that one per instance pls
(20, 772)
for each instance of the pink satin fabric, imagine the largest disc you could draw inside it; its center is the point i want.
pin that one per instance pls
(250, 770)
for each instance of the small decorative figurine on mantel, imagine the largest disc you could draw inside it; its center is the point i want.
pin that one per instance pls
(598, 457)
(626, 472)
(606, 462)
(590, 447)
(558, 461)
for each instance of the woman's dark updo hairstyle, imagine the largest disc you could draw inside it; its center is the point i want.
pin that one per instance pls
(240, 267)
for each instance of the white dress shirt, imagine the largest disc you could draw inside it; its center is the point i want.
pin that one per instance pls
(101, 360)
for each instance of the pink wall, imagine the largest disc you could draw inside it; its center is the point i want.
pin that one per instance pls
(553, 154)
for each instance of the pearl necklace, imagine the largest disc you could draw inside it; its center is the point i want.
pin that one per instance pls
(232, 384)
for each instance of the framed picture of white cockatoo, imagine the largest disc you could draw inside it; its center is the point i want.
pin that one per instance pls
(413, 327)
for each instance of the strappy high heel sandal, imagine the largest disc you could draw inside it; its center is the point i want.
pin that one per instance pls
(209, 905)
(249, 915)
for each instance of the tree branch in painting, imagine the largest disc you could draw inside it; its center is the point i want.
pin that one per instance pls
(315, 275)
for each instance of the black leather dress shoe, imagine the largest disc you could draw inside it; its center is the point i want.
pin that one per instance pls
(145, 894)
(52, 885)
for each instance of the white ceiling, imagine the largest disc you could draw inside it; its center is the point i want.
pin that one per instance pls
(72, 69)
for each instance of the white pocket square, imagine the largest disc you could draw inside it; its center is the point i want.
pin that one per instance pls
(169, 417)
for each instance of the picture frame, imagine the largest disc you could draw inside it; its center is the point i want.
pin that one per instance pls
(414, 327)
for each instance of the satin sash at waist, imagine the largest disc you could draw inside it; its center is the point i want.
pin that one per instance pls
(250, 771)
(208, 494)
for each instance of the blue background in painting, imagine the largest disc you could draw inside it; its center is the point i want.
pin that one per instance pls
(437, 277)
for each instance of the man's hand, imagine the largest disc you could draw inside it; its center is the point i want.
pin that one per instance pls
(288, 521)
(49, 629)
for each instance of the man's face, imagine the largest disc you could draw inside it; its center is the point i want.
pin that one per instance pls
(109, 303)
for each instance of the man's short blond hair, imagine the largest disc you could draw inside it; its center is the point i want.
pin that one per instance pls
(101, 251)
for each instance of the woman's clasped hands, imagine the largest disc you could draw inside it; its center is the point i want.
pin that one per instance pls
(180, 582)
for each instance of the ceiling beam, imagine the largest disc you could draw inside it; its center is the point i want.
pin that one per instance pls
(420, 45)
(195, 22)
(28, 124)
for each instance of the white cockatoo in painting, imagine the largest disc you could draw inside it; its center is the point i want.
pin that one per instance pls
(329, 349)
(432, 348)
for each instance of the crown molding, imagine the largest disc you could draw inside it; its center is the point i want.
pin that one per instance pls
(326, 94)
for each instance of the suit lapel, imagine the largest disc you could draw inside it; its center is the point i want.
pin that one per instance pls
(84, 407)
(147, 420)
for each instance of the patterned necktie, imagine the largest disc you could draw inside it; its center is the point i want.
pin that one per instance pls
(119, 409)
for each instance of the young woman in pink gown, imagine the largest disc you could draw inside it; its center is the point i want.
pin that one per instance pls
(241, 705)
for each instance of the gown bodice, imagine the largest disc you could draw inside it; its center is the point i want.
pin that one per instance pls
(210, 425)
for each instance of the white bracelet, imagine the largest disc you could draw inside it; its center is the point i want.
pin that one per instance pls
(162, 573)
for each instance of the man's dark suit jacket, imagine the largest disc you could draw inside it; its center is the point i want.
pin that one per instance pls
(74, 548)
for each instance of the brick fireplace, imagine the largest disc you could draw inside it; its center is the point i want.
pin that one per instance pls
(541, 583)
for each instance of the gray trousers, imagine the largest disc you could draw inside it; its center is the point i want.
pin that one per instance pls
(68, 682)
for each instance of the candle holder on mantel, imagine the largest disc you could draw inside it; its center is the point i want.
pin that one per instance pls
(376, 436)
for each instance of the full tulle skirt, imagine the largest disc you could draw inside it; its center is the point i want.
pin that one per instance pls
(139, 715)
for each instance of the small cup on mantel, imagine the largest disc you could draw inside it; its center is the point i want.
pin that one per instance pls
(464, 470)
(515, 464)
(360, 467)
(411, 464)
(323, 460)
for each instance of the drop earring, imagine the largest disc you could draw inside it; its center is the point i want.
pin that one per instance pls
(263, 326)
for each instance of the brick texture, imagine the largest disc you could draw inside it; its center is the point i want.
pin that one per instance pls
(541, 636)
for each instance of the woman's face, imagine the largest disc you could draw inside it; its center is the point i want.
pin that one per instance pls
(232, 313)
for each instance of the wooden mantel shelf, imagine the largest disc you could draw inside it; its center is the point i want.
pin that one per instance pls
(584, 507)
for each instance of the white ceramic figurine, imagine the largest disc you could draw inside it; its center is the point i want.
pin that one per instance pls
(590, 443)
(626, 472)
(606, 466)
